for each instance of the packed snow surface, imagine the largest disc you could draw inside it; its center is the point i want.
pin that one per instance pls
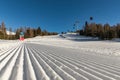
(58, 58)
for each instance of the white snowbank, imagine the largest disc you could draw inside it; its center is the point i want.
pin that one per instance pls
(10, 33)
(116, 39)
(76, 36)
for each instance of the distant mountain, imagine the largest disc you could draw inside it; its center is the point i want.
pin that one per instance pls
(10, 33)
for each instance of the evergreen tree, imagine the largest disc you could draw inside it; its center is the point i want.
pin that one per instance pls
(17, 33)
(3, 28)
(39, 31)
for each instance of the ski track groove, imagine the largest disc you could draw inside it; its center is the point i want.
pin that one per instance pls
(56, 69)
(67, 69)
(110, 74)
(6, 61)
(7, 49)
(29, 73)
(114, 69)
(25, 61)
(16, 66)
(39, 71)
(7, 69)
(97, 69)
(6, 53)
(95, 77)
(88, 60)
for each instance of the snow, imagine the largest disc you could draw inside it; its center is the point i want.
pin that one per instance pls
(116, 39)
(99, 47)
(76, 36)
(10, 33)
(58, 58)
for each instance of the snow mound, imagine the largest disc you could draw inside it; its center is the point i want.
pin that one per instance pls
(76, 36)
(10, 33)
(116, 39)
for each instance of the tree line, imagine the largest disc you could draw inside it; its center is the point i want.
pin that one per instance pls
(102, 31)
(28, 32)
(33, 32)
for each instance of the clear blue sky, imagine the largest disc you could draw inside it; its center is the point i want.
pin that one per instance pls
(58, 15)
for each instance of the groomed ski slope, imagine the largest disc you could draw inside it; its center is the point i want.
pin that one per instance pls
(55, 58)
